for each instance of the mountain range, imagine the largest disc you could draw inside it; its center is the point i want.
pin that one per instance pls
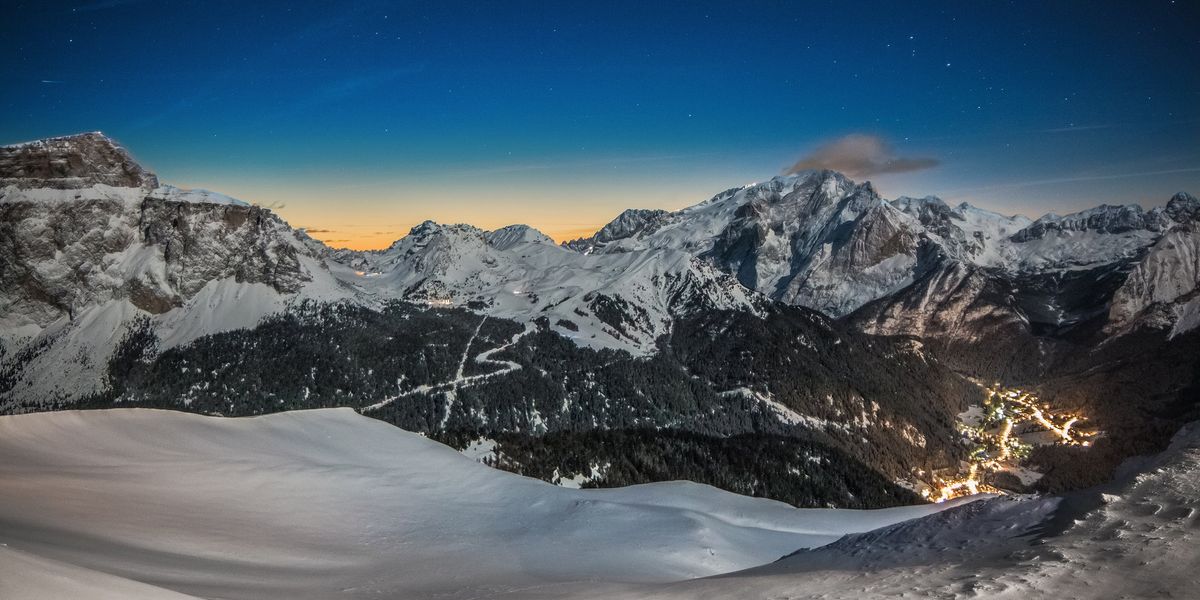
(799, 321)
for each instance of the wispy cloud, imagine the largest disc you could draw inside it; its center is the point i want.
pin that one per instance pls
(595, 162)
(1073, 128)
(860, 155)
(347, 87)
(1076, 179)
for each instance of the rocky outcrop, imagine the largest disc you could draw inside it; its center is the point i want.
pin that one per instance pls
(71, 162)
(81, 223)
(1102, 219)
(57, 257)
(206, 242)
(1163, 286)
(1183, 208)
(629, 223)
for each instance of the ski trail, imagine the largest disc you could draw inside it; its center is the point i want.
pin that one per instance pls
(460, 381)
(463, 361)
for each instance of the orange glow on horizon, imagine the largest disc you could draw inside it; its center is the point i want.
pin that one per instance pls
(381, 240)
(372, 216)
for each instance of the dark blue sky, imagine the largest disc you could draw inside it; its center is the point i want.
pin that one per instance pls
(365, 119)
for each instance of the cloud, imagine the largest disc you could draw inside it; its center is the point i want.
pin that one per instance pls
(313, 230)
(858, 155)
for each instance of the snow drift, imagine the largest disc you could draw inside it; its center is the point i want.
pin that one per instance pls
(145, 503)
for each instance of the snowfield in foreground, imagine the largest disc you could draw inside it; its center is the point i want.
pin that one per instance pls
(134, 503)
(143, 504)
(1138, 538)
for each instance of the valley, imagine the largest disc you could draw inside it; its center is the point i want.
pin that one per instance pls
(1002, 431)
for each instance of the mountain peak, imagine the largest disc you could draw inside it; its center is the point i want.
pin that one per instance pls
(631, 222)
(511, 235)
(1183, 207)
(72, 162)
(425, 227)
(430, 228)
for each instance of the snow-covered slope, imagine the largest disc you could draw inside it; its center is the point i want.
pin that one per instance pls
(328, 503)
(621, 300)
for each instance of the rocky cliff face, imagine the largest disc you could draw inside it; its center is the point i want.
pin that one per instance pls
(1102, 219)
(61, 253)
(71, 162)
(1163, 288)
(90, 243)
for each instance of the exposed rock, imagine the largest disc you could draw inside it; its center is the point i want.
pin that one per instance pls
(1103, 219)
(629, 223)
(71, 162)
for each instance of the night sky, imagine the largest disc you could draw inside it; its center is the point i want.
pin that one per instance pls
(360, 121)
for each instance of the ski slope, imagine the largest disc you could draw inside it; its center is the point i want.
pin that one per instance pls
(137, 503)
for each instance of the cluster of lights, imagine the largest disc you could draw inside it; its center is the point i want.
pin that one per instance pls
(1013, 407)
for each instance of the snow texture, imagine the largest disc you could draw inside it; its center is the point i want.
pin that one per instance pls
(328, 503)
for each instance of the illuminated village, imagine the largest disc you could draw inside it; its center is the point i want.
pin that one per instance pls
(1003, 433)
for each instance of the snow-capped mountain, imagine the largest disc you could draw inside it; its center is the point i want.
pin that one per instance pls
(918, 266)
(1162, 286)
(116, 289)
(83, 257)
(624, 301)
(93, 242)
(817, 239)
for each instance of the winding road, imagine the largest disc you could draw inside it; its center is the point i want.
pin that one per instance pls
(461, 381)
